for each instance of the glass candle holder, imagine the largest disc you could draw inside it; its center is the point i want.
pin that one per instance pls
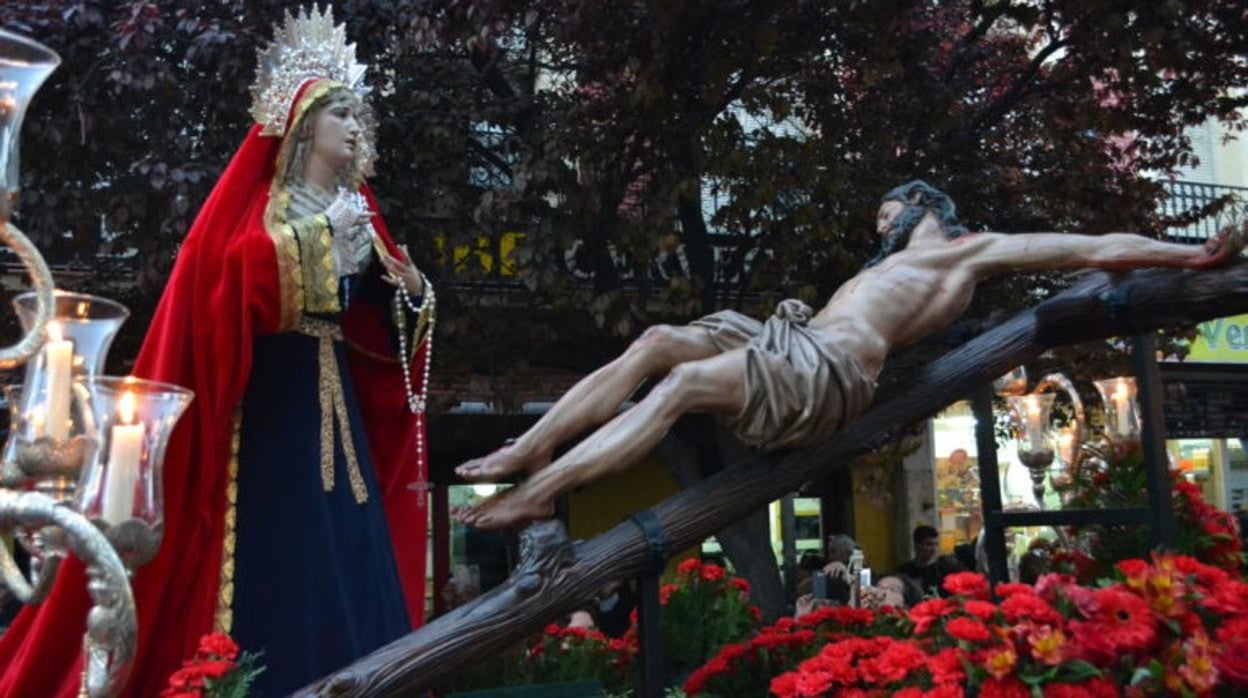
(1122, 414)
(52, 432)
(122, 490)
(24, 65)
(1035, 436)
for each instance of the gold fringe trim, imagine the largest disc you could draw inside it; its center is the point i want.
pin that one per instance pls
(224, 620)
(333, 406)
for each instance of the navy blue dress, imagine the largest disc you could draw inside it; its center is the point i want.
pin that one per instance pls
(315, 582)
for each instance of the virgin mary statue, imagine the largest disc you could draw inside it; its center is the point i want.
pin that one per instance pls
(295, 486)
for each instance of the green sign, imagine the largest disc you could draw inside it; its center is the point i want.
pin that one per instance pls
(1224, 340)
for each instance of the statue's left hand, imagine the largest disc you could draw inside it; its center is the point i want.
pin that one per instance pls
(403, 272)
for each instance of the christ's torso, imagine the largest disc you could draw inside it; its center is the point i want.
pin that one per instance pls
(909, 295)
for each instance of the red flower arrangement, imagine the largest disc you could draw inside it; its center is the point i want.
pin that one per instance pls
(215, 671)
(1172, 626)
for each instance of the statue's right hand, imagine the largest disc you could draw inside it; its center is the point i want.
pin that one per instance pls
(346, 212)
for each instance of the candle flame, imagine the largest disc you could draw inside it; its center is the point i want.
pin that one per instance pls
(54, 332)
(1121, 391)
(82, 308)
(126, 407)
(1033, 406)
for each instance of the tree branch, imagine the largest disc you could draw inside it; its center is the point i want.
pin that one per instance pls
(556, 577)
(963, 136)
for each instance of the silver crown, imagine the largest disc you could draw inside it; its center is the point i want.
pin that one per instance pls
(306, 47)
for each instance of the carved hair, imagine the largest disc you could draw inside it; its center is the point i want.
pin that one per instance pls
(304, 132)
(918, 198)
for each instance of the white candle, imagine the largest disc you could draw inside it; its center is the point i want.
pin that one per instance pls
(1122, 407)
(58, 362)
(1033, 416)
(1066, 444)
(123, 464)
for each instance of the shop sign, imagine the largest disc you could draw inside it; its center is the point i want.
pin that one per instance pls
(1224, 340)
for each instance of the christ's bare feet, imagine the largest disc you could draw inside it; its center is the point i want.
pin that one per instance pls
(507, 509)
(499, 464)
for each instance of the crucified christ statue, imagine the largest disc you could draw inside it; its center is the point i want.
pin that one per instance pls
(796, 379)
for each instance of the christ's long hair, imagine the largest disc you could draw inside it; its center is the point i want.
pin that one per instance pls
(919, 198)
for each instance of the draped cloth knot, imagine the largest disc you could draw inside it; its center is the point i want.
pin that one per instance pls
(793, 310)
(799, 388)
(333, 407)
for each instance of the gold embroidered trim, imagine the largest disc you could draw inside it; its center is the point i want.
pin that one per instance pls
(333, 406)
(320, 278)
(289, 275)
(224, 618)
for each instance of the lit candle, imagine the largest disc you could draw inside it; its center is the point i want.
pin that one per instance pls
(1065, 445)
(1122, 407)
(123, 463)
(58, 361)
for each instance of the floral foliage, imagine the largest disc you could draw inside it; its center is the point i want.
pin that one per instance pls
(217, 670)
(1169, 626)
(704, 609)
(1203, 531)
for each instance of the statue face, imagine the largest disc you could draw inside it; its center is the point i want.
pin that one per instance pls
(336, 132)
(889, 210)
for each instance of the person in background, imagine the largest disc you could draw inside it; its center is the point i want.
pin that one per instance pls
(929, 568)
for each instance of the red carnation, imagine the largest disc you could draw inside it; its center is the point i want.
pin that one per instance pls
(1134, 571)
(1004, 688)
(1066, 690)
(946, 691)
(687, 566)
(967, 630)
(218, 645)
(740, 584)
(946, 666)
(1232, 661)
(925, 613)
(970, 584)
(1005, 589)
(1027, 607)
(982, 610)
(711, 572)
(215, 668)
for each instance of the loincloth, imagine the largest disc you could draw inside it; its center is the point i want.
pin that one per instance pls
(798, 390)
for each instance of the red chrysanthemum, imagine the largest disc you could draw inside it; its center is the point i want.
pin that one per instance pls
(946, 691)
(1232, 661)
(970, 584)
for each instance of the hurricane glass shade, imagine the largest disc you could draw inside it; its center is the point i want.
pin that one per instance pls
(51, 412)
(24, 65)
(1122, 414)
(136, 417)
(1032, 430)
